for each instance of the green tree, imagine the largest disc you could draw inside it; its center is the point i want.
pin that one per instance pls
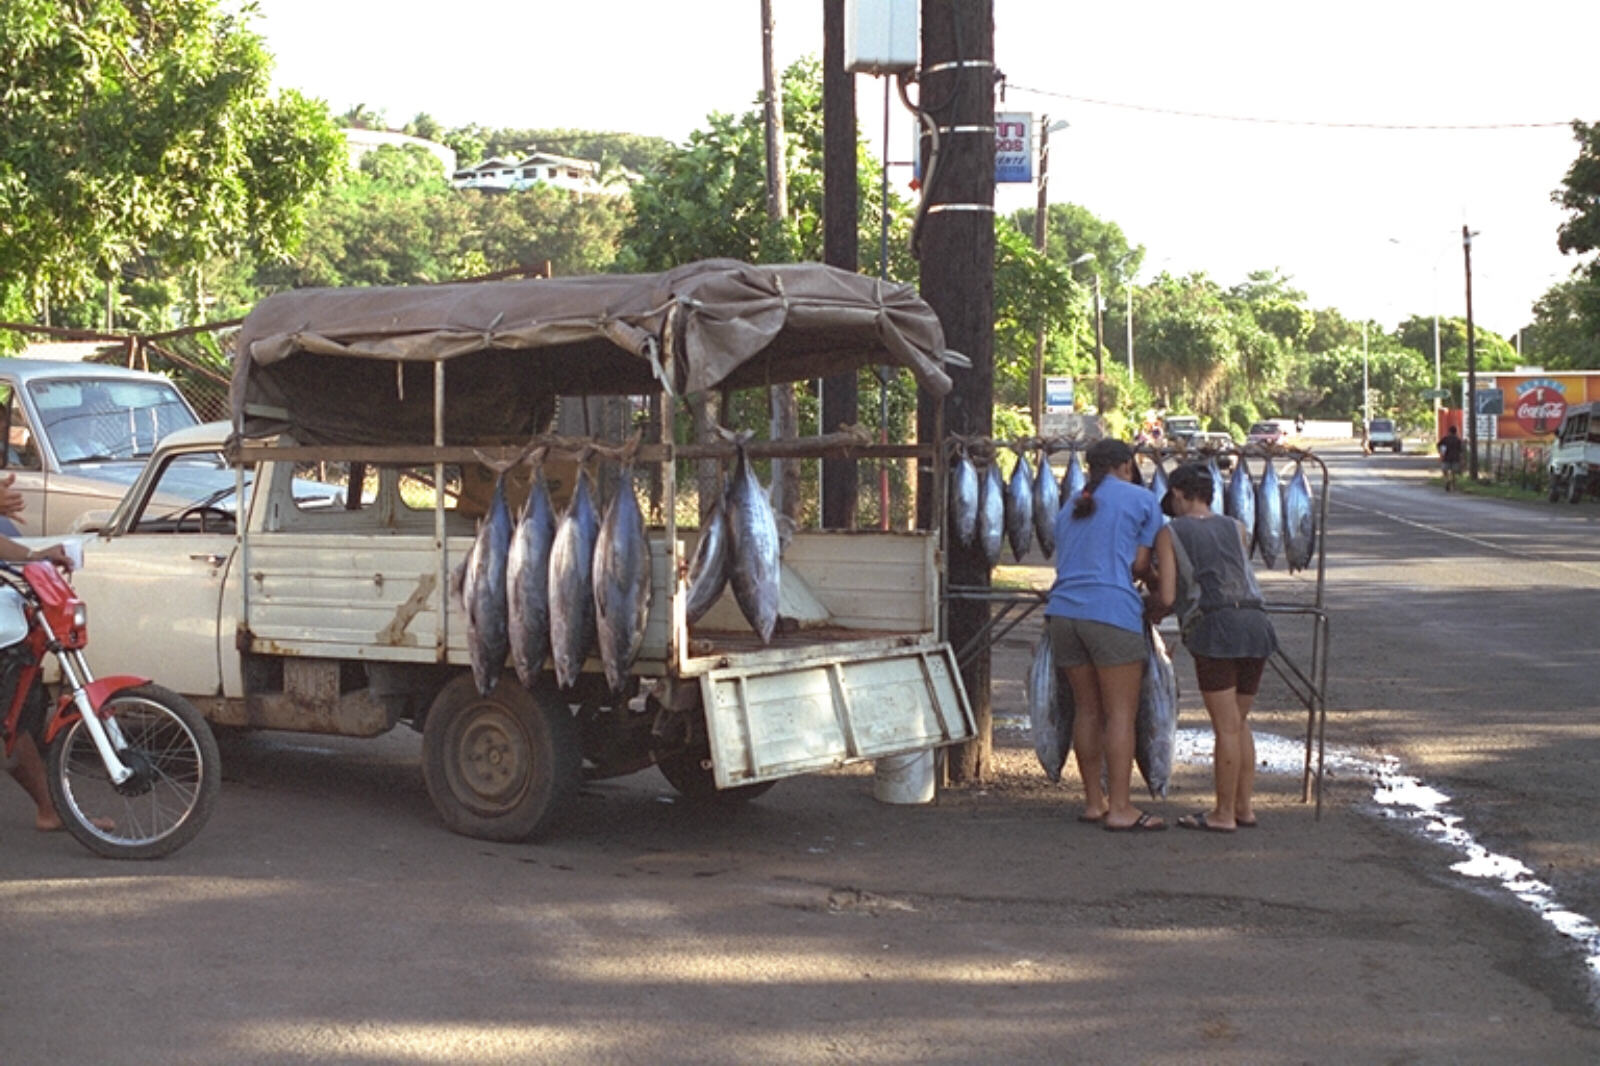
(1563, 335)
(145, 129)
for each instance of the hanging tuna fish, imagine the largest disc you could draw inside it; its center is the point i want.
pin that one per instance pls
(1046, 505)
(753, 539)
(1241, 500)
(1050, 710)
(528, 582)
(483, 590)
(1073, 481)
(712, 564)
(1156, 724)
(1269, 516)
(571, 587)
(964, 493)
(1219, 491)
(992, 513)
(1019, 507)
(621, 581)
(1300, 523)
(1158, 480)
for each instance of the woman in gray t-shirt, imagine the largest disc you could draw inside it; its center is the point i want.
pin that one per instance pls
(1227, 631)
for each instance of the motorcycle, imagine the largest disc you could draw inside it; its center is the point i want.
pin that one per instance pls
(132, 768)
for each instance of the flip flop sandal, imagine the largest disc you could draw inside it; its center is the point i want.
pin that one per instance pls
(1147, 823)
(1197, 820)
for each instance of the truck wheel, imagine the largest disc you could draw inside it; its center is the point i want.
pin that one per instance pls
(501, 766)
(1555, 487)
(1575, 483)
(695, 781)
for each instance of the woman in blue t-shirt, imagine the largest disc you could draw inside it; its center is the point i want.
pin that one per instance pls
(1104, 539)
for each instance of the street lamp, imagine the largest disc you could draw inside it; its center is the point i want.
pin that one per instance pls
(1085, 258)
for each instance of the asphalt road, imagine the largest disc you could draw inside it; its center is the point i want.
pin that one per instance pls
(325, 916)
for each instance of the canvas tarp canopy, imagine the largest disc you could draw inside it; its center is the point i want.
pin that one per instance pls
(356, 366)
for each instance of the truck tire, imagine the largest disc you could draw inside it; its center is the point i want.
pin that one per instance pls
(501, 766)
(694, 781)
(1555, 487)
(1575, 485)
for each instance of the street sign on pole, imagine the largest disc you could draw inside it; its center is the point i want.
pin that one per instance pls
(1435, 394)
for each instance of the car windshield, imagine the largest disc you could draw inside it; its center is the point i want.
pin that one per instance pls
(95, 419)
(1382, 425)
(1264, 427)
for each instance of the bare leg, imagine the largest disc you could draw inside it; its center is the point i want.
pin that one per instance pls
(30, 774)
(1226, 723)
(1088, 737)
(1119, 690)
(1244, 793)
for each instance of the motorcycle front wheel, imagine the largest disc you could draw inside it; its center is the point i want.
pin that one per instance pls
(177, 774)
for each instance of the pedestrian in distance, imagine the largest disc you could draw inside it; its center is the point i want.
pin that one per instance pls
(1224, 624)
(1105, 537)
(1450, 457)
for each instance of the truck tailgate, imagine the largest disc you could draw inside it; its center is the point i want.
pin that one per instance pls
(773, 720)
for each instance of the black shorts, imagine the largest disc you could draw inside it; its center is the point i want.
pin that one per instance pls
(1216, 675)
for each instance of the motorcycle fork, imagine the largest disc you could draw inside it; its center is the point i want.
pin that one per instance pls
(105, 733)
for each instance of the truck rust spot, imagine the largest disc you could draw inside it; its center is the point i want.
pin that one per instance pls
(394, 634)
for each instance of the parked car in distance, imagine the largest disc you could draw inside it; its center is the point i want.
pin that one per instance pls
(1575, 453)
(78, 434)
(1265, 433)
(1181, 429)
(1381, 433)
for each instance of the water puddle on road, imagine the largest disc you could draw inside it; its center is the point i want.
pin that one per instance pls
(1401, 796)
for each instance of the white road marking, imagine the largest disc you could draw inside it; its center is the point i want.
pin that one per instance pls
(1477, 541)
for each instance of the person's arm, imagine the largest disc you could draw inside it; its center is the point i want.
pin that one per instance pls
(11, 502)
(1164, 593)
(12, 552)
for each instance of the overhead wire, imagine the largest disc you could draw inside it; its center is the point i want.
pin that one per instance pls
(1269, 121)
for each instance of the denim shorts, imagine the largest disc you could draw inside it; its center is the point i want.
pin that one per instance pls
(1080, 642)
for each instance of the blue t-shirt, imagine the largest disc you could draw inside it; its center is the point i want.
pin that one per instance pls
(1094, 555)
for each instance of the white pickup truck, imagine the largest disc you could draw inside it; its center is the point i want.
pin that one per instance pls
(340, 619)
(1575, 454)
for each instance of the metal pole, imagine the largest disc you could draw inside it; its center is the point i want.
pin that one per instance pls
(883, 275)
(1469, 407)
(1130, 332)
(1436, 386)
(1366, 390)
(1041, 231)
(1099, 341)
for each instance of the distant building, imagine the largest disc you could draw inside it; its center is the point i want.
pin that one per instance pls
(359, 142)
(581, 176)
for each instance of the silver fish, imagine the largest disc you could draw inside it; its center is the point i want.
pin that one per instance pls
(1219, 492)
(571, 588)
(1156, 726)
(712, 564)
(1269, 516)
(754, 542)
(484, 592)
(528, 583)
(1019, 508)
(1300, 522)
(1158, 480)
(964, 493)
(1050, 709)
(1241, 499)
(621, 582)
(1073, 481)
(1046, 505)
(992, 513)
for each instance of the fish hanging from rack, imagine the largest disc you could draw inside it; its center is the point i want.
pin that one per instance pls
(753, 540)
(1019, 506)
(528, 581)
(571, 587)
(621, 581)
(1046, 505)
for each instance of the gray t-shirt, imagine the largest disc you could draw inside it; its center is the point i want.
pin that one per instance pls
(1219, 602)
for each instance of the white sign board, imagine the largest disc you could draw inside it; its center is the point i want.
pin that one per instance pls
(1058, 393)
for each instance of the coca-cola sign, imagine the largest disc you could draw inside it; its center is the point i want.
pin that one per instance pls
(1540, 404)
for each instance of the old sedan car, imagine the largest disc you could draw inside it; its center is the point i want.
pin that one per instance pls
(77, 434)
(1265, 433)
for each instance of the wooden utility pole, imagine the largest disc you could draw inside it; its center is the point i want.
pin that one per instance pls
(785, 412)
(840, 210)
(957, 253)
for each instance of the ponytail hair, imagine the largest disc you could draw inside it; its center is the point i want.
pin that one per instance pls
(1102, 457)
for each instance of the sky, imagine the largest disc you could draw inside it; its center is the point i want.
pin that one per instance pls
(1364, 220)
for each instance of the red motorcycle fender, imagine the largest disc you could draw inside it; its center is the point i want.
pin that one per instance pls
(98, 691)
